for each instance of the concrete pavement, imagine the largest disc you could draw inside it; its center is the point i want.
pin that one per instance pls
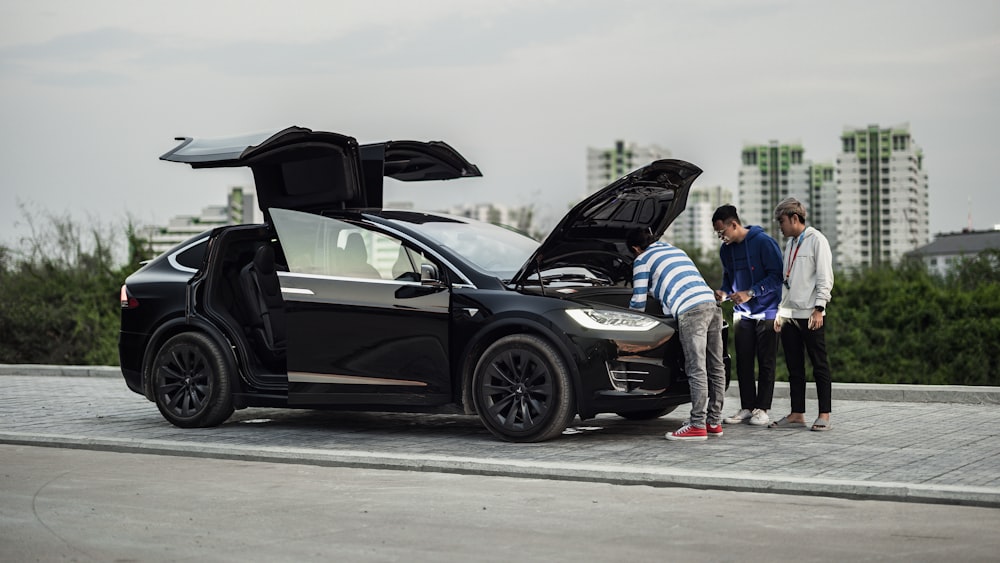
(58, 504)
(935, 444)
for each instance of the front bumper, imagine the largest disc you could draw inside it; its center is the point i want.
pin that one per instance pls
(618, 382)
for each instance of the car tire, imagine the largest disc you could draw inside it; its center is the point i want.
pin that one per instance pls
(647, 414)
(191, 383)
(522, 389)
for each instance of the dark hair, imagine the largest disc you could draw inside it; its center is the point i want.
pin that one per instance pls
(725, 213)
(639, 237)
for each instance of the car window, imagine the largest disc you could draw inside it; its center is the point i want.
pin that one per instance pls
(193, 256)
(491, 248)
(322, 245)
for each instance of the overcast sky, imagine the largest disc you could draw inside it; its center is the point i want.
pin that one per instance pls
(92, 93)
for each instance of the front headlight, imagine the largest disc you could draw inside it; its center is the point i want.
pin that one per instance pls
(604, 319)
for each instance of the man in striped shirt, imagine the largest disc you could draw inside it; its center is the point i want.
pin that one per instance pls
(668, 274)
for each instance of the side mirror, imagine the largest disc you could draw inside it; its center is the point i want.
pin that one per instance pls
(429, 272)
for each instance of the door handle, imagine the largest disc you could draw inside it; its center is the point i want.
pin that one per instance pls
(410, 291)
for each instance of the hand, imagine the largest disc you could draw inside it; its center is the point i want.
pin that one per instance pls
(741, 297)
(777, 324)
(815, 320)
(720, 295)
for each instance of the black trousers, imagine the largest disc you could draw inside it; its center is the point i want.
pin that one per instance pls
(756, 346)
(798, 340)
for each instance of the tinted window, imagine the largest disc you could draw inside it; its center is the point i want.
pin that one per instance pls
(314, 244)
(192, 257)
(189, 254)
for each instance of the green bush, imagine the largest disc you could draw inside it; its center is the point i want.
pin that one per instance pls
(60, 299)
(904, 325)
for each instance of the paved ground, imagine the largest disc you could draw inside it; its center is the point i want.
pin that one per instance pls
(889, 450)
(60, 504)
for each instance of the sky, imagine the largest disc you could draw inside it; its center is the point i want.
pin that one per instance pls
(92, 93)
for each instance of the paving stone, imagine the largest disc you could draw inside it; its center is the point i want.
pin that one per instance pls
(912, 451)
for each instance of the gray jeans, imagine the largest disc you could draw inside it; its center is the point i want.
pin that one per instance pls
(700, 331)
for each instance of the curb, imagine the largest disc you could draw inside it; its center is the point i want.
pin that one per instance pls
(586, 472)
(62, 371)
(889, 393)
(894, 393)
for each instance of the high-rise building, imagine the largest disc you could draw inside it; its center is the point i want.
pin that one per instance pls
(882, 201)
(692, 229)
(822, 208)
(240, 206)
(239, 209)
(775, 171)
(607, 165)
(770, 173)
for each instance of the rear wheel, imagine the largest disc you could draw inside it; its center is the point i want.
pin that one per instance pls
(647, 415)
(191, 381)
(522, 389)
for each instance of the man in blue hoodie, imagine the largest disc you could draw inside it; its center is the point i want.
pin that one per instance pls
(751, 278)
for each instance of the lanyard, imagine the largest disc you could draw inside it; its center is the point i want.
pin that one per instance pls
(791, 263)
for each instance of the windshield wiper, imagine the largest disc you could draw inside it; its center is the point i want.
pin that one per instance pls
(573, 277)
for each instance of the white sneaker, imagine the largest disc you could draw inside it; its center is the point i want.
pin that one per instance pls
(740, 417)
(759, 418)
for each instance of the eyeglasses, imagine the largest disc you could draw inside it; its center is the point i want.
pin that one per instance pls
(722, 232)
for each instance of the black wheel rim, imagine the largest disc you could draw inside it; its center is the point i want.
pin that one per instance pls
(518, 390)
(184, 381)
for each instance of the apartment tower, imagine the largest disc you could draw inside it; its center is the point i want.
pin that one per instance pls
(775, 171)
(692, 229)
(882, 198)
(607, 165)
(768, 174)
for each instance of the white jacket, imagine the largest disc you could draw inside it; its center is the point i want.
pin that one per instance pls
(808, 271)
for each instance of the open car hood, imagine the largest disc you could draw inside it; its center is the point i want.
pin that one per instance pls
(313, 171)
(592, 234)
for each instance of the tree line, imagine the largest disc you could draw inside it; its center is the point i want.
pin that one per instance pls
(60, 304)
(60, 291)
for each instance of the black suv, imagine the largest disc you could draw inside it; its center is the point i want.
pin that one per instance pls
(337, 303)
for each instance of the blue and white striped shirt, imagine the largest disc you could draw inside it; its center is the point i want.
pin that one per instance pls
(668, 274)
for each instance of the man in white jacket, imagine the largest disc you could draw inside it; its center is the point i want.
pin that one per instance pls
(808, 281)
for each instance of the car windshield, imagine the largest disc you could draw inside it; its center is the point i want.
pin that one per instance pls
(495, 249)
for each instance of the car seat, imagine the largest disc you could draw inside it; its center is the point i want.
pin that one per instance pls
(266, 308)
(356, 258)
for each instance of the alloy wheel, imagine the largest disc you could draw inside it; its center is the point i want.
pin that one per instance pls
(518, 389)
(184, 381)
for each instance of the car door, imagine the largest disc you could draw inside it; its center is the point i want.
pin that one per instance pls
(363, 327)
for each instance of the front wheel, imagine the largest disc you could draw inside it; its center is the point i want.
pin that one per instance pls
(522, 389)
(191, 381)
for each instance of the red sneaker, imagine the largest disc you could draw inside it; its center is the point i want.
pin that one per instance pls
(687, 432)
(714, 430)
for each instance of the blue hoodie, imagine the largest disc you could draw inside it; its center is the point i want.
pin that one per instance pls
(755, 263)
